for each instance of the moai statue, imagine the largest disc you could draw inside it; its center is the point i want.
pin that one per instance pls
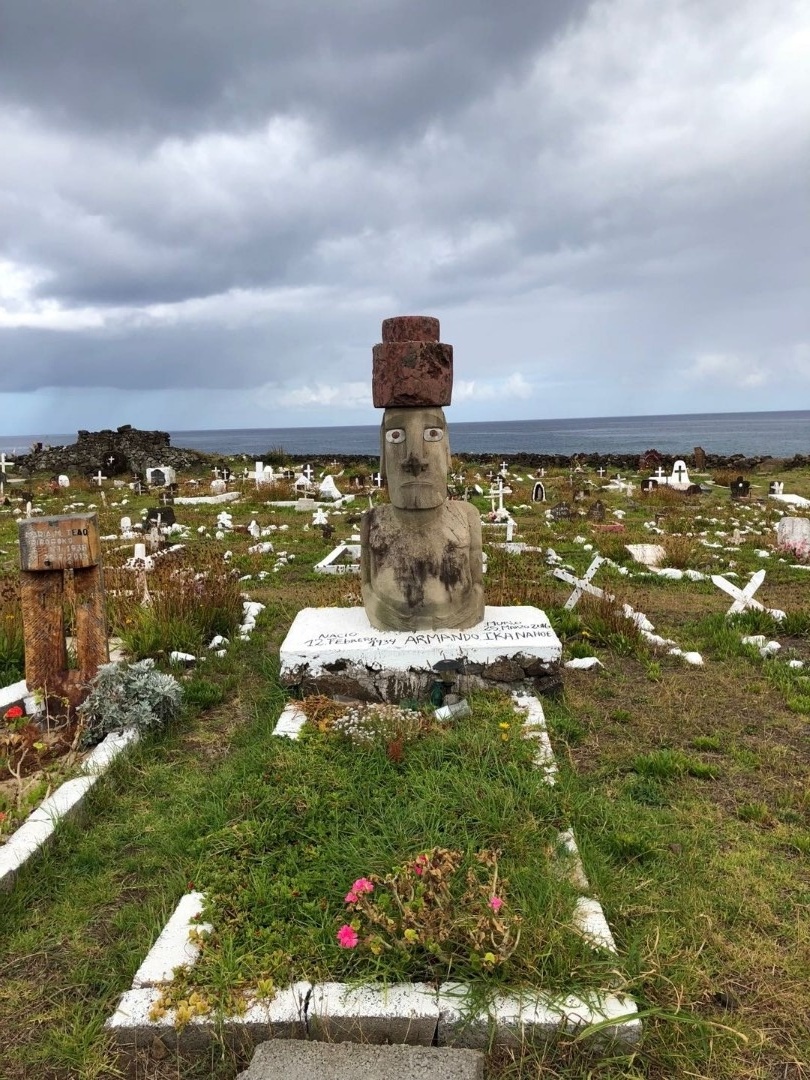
(421, 555)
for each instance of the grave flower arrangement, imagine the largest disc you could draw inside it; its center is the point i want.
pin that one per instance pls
(447, 911)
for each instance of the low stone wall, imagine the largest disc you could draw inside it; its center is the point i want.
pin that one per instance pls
(124, 451)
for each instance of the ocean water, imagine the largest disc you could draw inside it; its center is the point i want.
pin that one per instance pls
(778, 434)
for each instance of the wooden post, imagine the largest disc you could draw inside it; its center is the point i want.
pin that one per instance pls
(49, 547)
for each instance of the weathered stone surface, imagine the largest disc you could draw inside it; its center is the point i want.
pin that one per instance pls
(504, 670)
(410, 328)
(412, 374)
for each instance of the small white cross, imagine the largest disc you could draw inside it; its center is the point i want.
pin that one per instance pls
(601, 470)
(504, 467)
(217, 473)
(581, 585)
(377, 478)
(308, 472)
(98, 478)
(660, 473)
(744, 598)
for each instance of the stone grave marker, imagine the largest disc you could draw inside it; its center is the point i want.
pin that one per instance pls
(63, 481)
(60, 566)
(649, 483)
(561, 512)
(161, 477)
(700, 459)
(679, 480)
(539, 492)
(160, 515)
(793, 534)
(740, 489)
(647, 554)
(596, 511)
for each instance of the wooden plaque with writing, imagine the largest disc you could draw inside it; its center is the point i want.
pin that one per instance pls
(59, 543)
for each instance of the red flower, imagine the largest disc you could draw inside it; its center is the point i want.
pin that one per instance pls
(14, 713)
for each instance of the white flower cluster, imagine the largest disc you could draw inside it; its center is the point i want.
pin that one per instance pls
(368, 723)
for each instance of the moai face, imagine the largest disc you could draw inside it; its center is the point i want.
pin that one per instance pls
(415, 457)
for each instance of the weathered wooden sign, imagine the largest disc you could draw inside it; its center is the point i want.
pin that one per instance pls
(60, 571)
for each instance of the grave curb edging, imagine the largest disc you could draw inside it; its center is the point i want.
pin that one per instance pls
(65, 802)
(420, 1016)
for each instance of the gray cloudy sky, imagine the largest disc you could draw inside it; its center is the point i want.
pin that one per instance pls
(207, 208)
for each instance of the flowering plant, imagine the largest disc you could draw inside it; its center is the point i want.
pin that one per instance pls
(447, 915)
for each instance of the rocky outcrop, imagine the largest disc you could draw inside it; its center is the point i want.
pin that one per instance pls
(122, 452)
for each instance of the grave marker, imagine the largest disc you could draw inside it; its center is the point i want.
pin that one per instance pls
(60, 565)
(740, 489)
(539, 492)
(583, 584)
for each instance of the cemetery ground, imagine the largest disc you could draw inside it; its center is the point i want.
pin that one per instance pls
(686, 786)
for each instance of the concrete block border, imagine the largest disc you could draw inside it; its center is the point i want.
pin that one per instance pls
(413, 1014)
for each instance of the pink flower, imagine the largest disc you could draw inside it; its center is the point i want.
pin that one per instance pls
(496, 903)
(347, 937)
(351, 897)
(362, 885)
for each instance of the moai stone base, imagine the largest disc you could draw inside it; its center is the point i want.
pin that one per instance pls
(337, 652)
(60, 565)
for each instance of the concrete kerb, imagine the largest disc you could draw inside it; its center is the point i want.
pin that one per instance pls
(413, 1014)
(65, 802)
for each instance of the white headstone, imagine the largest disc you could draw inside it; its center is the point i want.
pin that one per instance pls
(329, 489)
(64, 481)
(793, 534)
(218, 487)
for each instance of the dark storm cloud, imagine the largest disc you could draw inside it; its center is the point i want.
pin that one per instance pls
(373, 70)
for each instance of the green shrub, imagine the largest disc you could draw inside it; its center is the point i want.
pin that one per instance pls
(128, 695)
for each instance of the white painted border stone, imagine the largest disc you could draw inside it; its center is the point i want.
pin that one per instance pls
(173, 948)
(515, 1019)
(283, 1018)
(403, 1013)
(39, 826)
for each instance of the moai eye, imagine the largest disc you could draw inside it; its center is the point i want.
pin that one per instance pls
(433, 434)
(395, 435)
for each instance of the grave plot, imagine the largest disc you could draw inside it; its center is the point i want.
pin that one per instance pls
(429, 896)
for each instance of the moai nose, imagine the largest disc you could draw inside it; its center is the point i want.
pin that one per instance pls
(413, 464)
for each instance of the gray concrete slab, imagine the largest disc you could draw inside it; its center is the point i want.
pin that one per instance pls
(284, 1059)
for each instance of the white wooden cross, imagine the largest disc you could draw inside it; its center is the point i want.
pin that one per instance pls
(744, 598)
(601, 470)
(3, 463)
(377, 478)
(504, 468)
(660, 473)
(583, 584)
(217, 473)
(98, 478)
(500, 493)
(308, 472)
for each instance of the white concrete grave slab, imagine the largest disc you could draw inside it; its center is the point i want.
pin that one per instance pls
(647, 554)
(322, 636)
